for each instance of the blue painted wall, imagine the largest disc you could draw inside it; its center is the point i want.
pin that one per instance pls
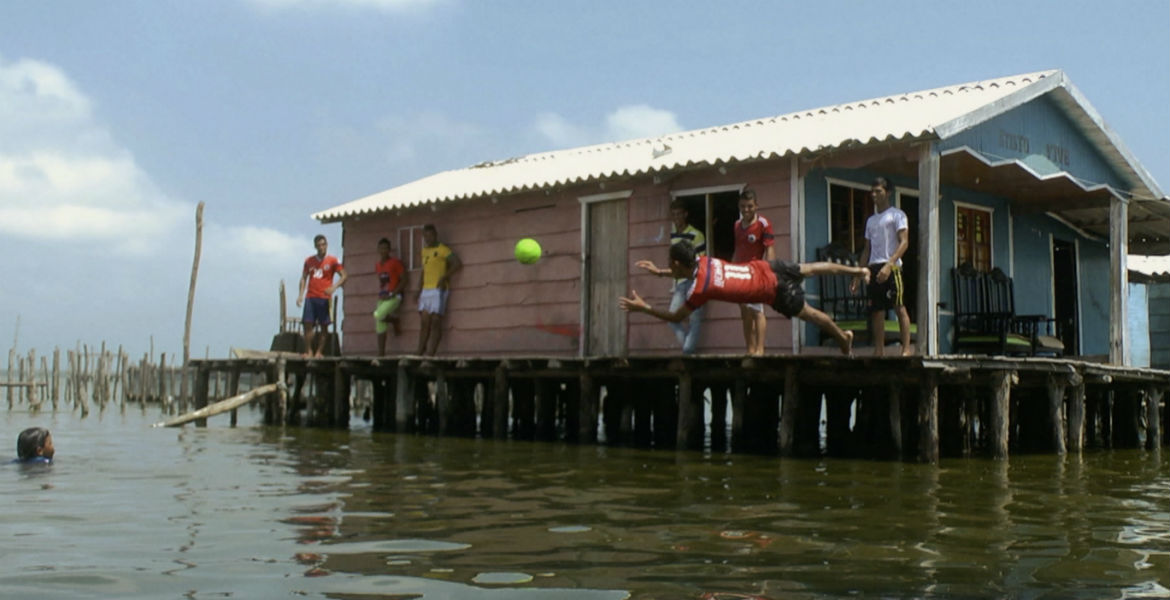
(1040, 135)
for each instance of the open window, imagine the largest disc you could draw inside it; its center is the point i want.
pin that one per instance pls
(714, 211)
(409, 247)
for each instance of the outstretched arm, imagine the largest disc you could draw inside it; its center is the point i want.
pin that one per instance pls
(649, 266)
(637, 304)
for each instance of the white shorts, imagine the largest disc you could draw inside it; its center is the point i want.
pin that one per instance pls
(433, 300)
(755, 306)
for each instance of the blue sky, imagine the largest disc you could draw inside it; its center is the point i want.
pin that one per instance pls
(117, 117)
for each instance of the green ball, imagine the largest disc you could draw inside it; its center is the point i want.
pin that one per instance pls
(527, 251)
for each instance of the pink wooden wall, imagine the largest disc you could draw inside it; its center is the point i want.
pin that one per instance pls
(722, 329)
(500, 307)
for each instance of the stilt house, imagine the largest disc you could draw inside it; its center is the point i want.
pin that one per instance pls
(1017, 175)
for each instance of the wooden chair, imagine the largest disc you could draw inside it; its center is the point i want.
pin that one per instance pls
(849, 310)
(985, 319)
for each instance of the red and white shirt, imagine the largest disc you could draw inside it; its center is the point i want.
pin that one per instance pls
(740, 283)
(320, 272)
(753, 240)
(389, 272)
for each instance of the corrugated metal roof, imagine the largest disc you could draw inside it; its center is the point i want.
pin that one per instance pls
(939, 112)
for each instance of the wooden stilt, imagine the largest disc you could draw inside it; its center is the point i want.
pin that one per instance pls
(341, 387)
(928, 418)
(688, 432)
(403, 398)
(788, 412)
(1056, 387)
(894, 391)
(202, 378)
(1000, 418)
(1153, 418)
(719, 393)
(497, 417)
(443, 403)
(587, 410)
(546, 411)
(1076, 417)
(738, 408)
(281, 395)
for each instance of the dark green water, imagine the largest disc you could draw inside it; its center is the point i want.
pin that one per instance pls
(133, 512)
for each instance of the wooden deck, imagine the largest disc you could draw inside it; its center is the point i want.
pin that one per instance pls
(914, 408)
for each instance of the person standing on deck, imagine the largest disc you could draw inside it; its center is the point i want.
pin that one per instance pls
(391, 281)
(317, 275)
(753, 241)
(439, 264)
(776, 283)
(681, 230)
(887, 237)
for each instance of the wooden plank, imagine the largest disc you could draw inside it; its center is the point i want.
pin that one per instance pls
(1154, 397)
(607, 278)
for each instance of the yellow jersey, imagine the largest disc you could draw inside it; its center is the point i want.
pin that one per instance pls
(434, 264)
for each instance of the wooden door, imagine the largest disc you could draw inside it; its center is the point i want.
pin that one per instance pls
(607, 277)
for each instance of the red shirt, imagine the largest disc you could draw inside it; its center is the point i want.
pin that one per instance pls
(320, 273)
(389, 273)
(741, 283)
(752, 241)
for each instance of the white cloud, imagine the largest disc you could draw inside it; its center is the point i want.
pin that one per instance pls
(624, 123)
(426, 135)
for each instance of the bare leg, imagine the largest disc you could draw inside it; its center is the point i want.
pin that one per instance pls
(904, 329)
(820, 319)
(308, 339)
(424, 330)
(749, 320)
(436, 334)
(760, 326)
(382, 344)
(832, 268)
(321, 338)
(877, 323)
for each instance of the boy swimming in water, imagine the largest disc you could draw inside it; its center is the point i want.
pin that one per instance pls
(34, 445)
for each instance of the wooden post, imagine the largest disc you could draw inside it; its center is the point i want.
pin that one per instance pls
(1076, 417)
(56, 381)
(688, 430)
(8, 377)
(443, 403)
(191, 300)
(403, 398)
(341, 387)
(202, 377)
(1056, 387)
(928, 418)
(31, 398)
(498, 416)
(281, 394)
(234, 390)
(1001, 390)
(587, 423)
(895, 395)
(788, 411)
(1153, 419)
(1118, 278)
(738, 407)
(928, 244)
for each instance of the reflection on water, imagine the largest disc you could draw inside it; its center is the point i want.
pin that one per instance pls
(133, 512)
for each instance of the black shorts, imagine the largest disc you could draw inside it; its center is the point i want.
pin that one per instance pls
(789, 293)
(887, 295)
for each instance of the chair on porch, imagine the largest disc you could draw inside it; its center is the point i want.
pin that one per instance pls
(985, 319)
(851, 310)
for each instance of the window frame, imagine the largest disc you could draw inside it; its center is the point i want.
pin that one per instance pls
(990, 231)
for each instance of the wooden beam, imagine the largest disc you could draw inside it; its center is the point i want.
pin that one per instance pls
(1153, 419)
(788, 412)
(1076, 417)
(895, 395)
(1118, 277)
(928, 249)
(1056, 387)
(221, 406)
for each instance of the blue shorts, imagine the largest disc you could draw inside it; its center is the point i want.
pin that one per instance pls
(316, 311)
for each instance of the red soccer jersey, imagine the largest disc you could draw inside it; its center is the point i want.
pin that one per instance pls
(753, 240)
(389, 273)
(731, 282)
(320, 273)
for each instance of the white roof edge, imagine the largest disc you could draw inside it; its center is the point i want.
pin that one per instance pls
(1046, 82)
(1115, 141)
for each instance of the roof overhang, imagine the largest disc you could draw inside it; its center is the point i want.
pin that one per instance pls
(1082, 206)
